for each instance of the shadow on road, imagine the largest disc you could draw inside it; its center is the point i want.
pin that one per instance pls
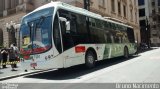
(77, 71)
(145, 50)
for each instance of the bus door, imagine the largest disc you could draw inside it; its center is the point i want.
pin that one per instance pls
(70, 37)
(67, 36)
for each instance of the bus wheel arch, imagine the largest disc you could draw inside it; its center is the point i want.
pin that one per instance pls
(90, 57)
(126, 52)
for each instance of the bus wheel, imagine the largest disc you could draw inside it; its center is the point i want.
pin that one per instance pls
(126, 53)
(90, 59)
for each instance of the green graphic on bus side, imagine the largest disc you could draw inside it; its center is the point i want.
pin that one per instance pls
(116, 50)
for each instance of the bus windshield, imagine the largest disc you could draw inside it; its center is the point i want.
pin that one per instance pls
(35, 32)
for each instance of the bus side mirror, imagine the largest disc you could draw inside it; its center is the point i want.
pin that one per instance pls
(67, 24)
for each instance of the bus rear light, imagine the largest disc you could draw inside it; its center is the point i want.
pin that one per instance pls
(79, 49)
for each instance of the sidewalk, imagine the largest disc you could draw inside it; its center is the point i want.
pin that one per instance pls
(7, 73)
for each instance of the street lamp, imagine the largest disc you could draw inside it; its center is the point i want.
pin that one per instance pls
(12, 30)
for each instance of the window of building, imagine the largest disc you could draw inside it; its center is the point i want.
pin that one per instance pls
(119, 8)
(153, 11)
(142, 23)
(141, 2)
(153, 3)
(141, 12)
(124, 10)
(113, 5)
(158, 2)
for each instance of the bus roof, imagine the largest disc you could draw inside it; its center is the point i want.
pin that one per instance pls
(75, 9)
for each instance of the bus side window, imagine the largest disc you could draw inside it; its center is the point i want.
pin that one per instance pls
(130, 35)
(73, 24)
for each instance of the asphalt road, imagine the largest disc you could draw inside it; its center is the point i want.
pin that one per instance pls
(144, 68)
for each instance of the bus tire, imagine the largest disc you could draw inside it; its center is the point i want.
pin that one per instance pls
(90, 59)
(126, 53)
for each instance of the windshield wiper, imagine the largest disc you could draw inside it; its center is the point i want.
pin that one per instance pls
(42, 18)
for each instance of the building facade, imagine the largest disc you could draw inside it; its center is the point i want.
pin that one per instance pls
(149, 13)
(125, 11)
(11, 12)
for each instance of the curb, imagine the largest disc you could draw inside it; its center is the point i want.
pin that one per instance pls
(14, 76)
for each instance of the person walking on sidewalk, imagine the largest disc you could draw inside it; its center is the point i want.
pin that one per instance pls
(4, 57)
(12, 58)
(0, 58)
(16, 52)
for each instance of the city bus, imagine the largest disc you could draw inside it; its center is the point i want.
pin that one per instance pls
(59, 35)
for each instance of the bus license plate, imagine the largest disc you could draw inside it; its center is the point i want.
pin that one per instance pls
(33, 64)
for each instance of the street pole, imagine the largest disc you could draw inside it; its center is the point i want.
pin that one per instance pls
(148, 32)
(12, 32)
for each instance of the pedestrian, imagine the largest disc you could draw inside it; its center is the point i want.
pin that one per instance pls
(12, 58)
(4, 57)
(0, 58)
(16, 52)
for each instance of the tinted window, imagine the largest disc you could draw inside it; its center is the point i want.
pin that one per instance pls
(130, 34)
(143, 23)
(140, 2)
(78, 32)
(67, 37)
(141, 12)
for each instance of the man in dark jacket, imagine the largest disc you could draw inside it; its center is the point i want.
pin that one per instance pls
(4, 57)
(0, 58)
(16, 52)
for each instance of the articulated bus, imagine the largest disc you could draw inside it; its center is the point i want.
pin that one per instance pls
(58, 35)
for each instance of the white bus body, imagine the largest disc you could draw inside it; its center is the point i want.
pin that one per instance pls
(40, 48)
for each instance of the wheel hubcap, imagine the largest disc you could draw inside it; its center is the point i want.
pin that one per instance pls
(90, 59)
